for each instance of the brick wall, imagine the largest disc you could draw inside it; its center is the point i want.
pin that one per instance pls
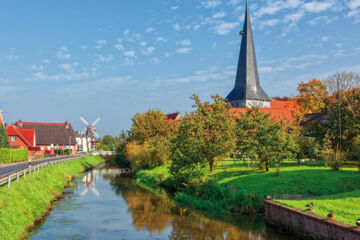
(308, 224)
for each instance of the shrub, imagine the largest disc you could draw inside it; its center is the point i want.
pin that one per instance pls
(8, 155)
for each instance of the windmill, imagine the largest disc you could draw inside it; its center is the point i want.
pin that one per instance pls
(89, 131)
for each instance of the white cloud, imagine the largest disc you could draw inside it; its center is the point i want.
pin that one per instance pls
(62, 53)
(183, 50)
(196, 27)
(174, 7)
(155, 60)
(149, 30)
(148, 51)
(316, 7)
(176, 27)
(108, 58)
(57, 77)
(83, 47)
(68, 67)
(233, 2)
(223, 28)
(219, 15)
(130, 53)
(183, 43)
(294, 17)
(100, 43)
(47, 61)
(353, 4)
(325, 39)
(323, 19)
(268, 23)
(211, 3)
(161, 39)
(36, 68)
(143, 44)
(119, 47)
(126, 32)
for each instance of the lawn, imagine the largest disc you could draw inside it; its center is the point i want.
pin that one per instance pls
(346, 206)
(341, 189)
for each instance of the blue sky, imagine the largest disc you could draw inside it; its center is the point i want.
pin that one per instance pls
(112, 59)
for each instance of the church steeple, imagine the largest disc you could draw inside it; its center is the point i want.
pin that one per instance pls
(247, 90)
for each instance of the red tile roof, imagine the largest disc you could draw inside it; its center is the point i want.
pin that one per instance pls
(279, 110)
(172, 116)
(27, 135)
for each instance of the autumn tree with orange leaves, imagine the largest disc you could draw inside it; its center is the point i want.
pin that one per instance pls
(311, 97)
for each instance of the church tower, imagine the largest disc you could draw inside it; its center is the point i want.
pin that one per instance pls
(247, 91)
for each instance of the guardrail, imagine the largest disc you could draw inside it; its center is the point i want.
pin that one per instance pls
(17, 174)
(103, 153)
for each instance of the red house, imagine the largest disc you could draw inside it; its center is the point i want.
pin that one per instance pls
(41, 138)
(21, 138)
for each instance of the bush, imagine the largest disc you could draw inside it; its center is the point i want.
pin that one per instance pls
(119, 159)
(8, 155)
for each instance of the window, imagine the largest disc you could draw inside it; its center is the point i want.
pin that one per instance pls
(13, 138)
(42, 148)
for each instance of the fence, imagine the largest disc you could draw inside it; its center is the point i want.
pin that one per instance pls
(17, 174)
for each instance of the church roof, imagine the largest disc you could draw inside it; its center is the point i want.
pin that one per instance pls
(247, 85)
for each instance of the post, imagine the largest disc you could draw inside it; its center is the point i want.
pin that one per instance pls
(338, 86)
(24, 173)
(9, 181)
(17, 176)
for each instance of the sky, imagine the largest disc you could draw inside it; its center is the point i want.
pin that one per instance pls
(112, 59)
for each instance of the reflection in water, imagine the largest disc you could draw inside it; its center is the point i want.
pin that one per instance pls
(123, 210)
(89, 180)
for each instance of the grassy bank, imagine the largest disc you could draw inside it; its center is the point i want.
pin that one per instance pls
(235, 188)
(346, 206)
(24, 204)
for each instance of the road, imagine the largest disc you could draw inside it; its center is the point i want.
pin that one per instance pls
(6, 170)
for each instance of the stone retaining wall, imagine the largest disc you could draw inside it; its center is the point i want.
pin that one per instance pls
(308, 224)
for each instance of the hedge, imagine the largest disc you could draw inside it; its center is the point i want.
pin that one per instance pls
(63, 151)
(8, 155)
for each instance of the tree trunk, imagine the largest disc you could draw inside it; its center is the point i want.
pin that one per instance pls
(267, 166)
(211, 166)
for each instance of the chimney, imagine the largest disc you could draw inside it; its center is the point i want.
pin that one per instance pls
(20, 123)
(67, 124)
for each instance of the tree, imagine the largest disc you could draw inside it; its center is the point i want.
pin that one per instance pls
(151, 124)
(4, 139)
(108, 141)
(260, 138)
(205, 136)
(347, 81)
(311, 97)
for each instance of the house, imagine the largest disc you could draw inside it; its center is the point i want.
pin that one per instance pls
(84, 143)
(173, 116)
(48, 136)
(22, 138)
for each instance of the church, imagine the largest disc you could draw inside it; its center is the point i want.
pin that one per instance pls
(247, 91)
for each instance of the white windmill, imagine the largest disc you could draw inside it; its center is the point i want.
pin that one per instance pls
(90, 133)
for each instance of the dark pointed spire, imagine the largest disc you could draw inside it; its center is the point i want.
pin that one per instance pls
(247, 85)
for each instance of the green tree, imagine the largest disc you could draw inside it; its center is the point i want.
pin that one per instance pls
(205, 136)
(108, 141)
(4, 139)
(261, 139)
(151, 124)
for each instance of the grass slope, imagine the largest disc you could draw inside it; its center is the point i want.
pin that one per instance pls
(346, 206)
(27, 200)
(310, 178)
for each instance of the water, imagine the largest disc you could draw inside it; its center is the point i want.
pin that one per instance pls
(104, 205)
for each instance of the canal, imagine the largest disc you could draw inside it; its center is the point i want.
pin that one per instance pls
(104, 205)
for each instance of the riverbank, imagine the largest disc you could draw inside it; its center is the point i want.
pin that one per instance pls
(27, 202)
(235, 188)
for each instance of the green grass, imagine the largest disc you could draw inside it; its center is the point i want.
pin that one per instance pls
(28, 199)
(309, 178)
(346, 206)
